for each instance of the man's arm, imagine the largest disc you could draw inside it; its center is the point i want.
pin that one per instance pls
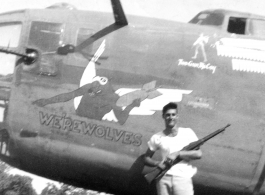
(148, 159)
(185, 155)
(151, 162)
(190, 155)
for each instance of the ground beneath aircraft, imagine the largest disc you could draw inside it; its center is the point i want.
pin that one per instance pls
(210, 191)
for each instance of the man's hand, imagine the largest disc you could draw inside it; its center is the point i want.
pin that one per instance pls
(161, 165)
(168, 162)
(173, 155)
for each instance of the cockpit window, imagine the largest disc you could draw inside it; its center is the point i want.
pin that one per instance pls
(211, 19)
(257, 27)
(237, 25)
(46, 36)
(84, 34)
(10, 36)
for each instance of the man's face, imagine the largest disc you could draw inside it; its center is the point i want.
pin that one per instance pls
(170, 118)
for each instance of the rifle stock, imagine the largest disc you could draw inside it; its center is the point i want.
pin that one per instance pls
(157, 173)
(152, 175)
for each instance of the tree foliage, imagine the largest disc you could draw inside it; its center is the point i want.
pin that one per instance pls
(51, 189)
(14, 184)
(3, 167)
(21, 185)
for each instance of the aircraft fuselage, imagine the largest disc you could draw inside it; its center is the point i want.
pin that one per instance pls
(85, 118)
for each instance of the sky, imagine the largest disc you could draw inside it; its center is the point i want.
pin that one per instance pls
(176, 10)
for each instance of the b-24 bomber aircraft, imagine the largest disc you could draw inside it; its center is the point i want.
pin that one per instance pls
(81, 94)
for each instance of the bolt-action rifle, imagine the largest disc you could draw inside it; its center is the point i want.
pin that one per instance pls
(157, 173)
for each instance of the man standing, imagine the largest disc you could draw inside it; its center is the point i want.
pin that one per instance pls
(177, 180)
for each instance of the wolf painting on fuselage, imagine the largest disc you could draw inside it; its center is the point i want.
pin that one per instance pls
(98, 99)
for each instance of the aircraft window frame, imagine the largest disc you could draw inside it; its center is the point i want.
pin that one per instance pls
(208, 19)
(16, 42)
(237, 25)
(8, 61)
(258, 29)
(81, 36)
(46, 37)
(43, 34)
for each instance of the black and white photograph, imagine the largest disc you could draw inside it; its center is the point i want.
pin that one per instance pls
(132, 97)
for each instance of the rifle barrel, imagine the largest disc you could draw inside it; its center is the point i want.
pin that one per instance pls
(157, 173)
(214, 133)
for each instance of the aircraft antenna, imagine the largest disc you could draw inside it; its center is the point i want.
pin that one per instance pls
(119, 16)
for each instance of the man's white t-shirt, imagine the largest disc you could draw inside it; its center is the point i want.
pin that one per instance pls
(167, 145)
